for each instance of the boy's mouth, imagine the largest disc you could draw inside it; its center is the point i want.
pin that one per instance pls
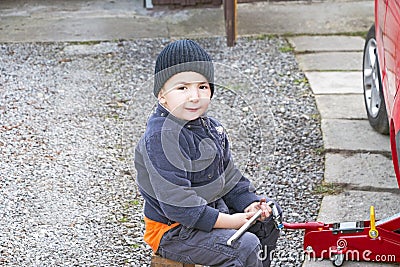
(192, 109)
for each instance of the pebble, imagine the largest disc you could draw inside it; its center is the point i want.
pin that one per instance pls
(70, 116)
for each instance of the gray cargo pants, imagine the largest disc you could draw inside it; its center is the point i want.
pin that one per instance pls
(253, 249)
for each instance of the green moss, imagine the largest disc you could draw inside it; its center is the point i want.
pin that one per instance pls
(320, 151)
(123, 219)
(329, 188)
(286, 49)
(133, 203)
(135, 246)
(262, 37)
(300, 81)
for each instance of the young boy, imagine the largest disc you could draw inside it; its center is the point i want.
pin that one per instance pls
(195, 197)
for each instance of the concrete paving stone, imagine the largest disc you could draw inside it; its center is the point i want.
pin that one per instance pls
(205, 24)
(361, 170)
(335, 82)
(352, 135)
(82, 29)
(341, 106)
(305, 17)
(58, 20)
(306, 44)
(330, 61)
(354, 205)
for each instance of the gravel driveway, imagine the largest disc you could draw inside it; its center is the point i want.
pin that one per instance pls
(71, 114)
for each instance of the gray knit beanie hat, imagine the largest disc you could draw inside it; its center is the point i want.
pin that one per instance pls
(181, 56)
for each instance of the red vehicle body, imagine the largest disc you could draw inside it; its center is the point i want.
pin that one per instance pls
(381, 73)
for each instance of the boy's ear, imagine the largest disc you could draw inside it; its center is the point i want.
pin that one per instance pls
(161, 97)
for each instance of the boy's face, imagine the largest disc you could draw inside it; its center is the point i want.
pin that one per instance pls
(186, 95)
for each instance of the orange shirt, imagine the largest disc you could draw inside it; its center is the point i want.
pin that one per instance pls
(155, 231)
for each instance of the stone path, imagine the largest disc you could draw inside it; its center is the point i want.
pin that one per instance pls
(356, 156)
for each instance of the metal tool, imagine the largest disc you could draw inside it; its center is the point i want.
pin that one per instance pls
(243, 229)
(276, 216)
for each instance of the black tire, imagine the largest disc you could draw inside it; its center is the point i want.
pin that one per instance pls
(372, 83)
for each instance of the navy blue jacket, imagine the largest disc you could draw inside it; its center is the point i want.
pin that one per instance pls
(186, 174)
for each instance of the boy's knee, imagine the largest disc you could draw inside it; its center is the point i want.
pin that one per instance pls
(249, 240)
(250, 248)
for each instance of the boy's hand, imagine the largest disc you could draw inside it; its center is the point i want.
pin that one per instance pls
(255, 206)
(232, 221)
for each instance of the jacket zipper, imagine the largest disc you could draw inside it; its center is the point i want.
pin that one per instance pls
(216, 142)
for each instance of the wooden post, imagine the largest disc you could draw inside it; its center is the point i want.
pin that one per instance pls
(157, 261)
(230, 12)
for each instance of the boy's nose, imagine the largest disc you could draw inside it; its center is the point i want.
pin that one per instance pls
(194, 95)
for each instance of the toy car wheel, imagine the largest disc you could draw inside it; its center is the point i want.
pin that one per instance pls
(338, 259)
(373, 92)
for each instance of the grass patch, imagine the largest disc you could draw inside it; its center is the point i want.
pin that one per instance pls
(329, 188)
(123, 219)
(262, 37)
(300, 81)
(316, 116)
(135, 203)
(320, 150)
(286, 49)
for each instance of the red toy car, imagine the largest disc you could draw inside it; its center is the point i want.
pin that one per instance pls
(381, 74)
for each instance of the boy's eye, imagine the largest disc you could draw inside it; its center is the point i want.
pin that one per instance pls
(203, 87)
(181, 88)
